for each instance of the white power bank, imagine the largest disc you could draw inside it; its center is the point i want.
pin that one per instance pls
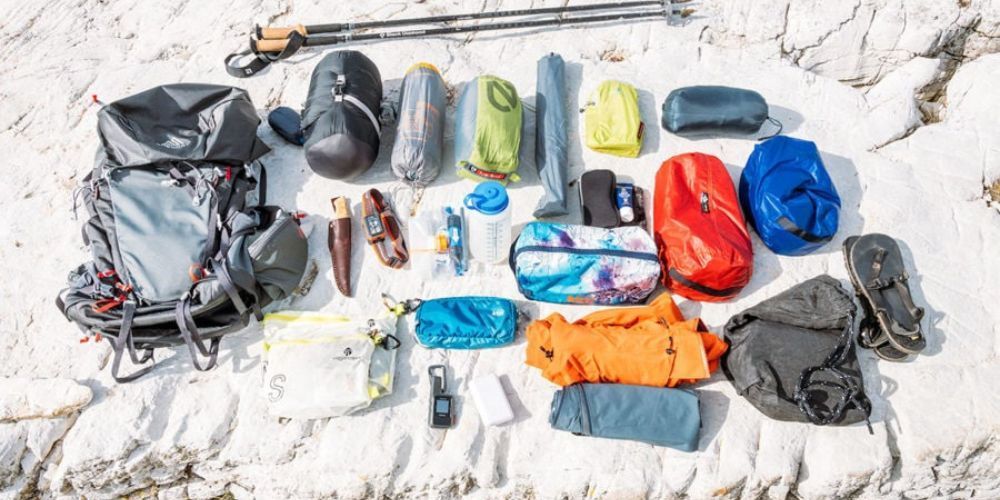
(491, 401)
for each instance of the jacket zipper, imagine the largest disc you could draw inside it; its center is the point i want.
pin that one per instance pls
(588, 251)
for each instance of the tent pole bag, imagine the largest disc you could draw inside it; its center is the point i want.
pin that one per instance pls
(340, 119)
(550, 135)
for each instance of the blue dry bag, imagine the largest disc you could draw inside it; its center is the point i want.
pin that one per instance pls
(788, 197)
(466, 322)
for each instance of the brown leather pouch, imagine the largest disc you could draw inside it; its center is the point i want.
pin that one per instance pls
(339, 242)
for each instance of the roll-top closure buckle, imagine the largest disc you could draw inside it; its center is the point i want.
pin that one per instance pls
(338, 88)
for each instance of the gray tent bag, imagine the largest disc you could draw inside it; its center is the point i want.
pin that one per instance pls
(550, 135)
(416, 154)
(712, 111)
(655, 415)
(340, 118)
(179, 256)
(792, 356)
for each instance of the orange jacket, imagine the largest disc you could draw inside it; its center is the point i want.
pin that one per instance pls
(649, 345)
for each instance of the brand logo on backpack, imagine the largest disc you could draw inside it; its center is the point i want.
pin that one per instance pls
(506, 91)
(175, 142)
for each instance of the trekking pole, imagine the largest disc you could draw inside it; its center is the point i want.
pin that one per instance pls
(321, 40)
(269, 51)
(268, 33)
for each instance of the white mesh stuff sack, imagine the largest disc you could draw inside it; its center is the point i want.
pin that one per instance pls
(323, 365)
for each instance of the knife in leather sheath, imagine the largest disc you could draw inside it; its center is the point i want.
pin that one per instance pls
(339, 242)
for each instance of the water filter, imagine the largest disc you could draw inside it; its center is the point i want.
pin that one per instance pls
(488, 222)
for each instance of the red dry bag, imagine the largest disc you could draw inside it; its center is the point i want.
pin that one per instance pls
(704, 246)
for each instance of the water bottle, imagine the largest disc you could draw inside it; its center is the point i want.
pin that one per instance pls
(489, 226)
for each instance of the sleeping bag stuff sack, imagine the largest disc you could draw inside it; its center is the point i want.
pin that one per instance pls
(612, 120)
(652, 345)
(653, 415)
(571, 264)
(340, 118)
(788, 196)
(792, 356)
(705, 248)
(551, 140)
(416, 154)
(488, 130)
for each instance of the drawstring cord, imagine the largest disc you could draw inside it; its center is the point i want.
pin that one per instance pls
(851, 392)
(775, 123)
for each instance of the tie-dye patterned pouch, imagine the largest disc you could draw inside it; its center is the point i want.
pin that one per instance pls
(571, 264)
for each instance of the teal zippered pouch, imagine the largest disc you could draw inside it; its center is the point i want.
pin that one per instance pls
(466, 322)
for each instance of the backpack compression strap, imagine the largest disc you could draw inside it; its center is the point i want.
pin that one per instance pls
(189, 332)
(124, 341)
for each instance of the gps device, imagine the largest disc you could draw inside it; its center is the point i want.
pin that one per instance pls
(442, 409)
(374, 227)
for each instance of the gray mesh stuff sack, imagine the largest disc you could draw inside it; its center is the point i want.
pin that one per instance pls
(417, 152)
(792, 356)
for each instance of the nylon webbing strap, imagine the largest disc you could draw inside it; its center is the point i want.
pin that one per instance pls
(124, 341)
(189, 332)
(800, 233)
(714, 292)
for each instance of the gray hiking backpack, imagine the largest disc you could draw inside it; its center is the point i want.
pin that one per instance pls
(179, 255)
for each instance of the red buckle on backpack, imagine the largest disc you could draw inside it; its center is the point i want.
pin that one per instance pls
(105, 305)
(197, 273)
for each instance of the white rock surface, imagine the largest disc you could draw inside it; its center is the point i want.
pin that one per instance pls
(861, 78)
(22, 399)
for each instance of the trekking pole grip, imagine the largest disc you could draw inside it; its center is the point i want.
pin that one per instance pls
(279, 33)
(271, 45)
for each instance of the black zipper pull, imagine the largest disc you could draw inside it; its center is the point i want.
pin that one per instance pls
(704, 202)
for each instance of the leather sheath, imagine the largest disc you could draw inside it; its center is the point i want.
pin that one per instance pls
(339, 242)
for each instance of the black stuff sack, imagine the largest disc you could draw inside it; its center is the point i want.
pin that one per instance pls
(341, 115)
(792, 356)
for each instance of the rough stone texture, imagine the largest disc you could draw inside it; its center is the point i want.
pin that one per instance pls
(22, 399)
(900, 97)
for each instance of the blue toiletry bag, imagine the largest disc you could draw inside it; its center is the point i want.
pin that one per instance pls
(466, 322)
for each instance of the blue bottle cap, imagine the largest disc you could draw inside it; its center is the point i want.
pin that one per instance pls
(489, 197)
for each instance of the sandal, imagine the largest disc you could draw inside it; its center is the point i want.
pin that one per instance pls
(891, 325)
